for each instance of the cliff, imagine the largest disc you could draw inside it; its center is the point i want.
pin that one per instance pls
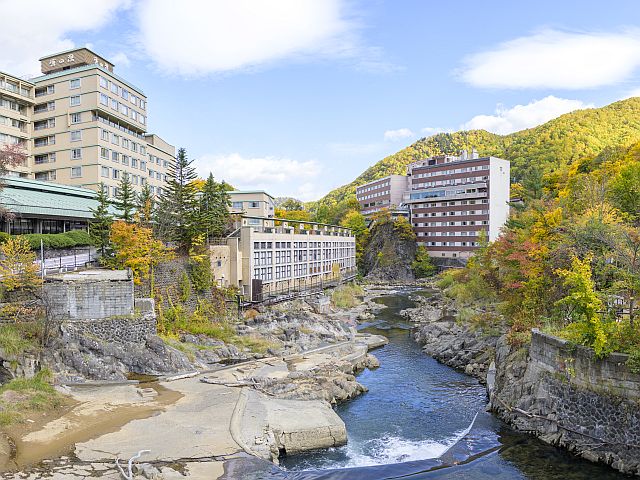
(390, 252)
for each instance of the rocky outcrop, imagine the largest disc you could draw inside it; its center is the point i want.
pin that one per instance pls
(389, 254)
(78, 358)
(460, 345)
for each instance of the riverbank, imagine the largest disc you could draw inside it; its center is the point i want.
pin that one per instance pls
(196, 424)
(559, 392)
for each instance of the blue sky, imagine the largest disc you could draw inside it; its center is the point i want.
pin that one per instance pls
(300, 96)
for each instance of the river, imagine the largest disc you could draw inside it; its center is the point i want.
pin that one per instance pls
(416, 410)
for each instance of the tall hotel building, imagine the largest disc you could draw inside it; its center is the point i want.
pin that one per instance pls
(454, 199)
(383, 193)
(16, 110)
(84, 124)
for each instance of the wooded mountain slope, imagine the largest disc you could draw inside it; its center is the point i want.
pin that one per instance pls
(551, 146)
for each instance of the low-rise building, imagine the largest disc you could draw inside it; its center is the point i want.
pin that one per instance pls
(44, 207)
(268, 257)
(383, 193)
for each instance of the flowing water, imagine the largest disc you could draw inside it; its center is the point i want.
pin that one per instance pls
(418, 410)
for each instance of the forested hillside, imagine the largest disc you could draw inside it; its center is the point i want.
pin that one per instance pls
(546, 149)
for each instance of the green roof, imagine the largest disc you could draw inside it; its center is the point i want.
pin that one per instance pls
(26, 197)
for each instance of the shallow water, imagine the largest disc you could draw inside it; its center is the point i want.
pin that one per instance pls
(415, 410)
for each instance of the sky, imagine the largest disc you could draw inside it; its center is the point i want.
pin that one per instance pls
(297, 97)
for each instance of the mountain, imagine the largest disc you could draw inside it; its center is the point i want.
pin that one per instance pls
(550, 146)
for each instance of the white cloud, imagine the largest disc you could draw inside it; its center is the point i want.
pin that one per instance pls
(198, 37)
(556, 59)
(519, 117)
(278, 176)
(120, 59)
(33, 28)
(398, 134)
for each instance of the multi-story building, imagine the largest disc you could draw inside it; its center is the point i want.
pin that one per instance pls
(384, 193)
(455, 200)
(252, 203)
(89, 126)
(16, 109)
(268, 257)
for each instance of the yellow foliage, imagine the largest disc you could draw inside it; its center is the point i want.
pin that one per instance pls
(135, 248)
(17, 267)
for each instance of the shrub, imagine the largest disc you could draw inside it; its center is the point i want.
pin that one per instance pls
(346, 295)
(75, 238)
(422, 265)
(4, 237)
(13, 341)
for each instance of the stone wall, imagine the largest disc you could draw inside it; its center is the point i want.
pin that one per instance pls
(566, 396)
(91, 294)
(133, 328)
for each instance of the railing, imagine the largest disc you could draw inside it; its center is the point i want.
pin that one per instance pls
(80, 258)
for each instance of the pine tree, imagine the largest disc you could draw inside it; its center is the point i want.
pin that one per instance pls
(177, 214)
(145, 206)
(126, 199)
(100, 226)
(214, 208)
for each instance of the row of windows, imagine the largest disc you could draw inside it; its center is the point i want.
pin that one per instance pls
(15, 88)
(374, 195)
(449, 204)
(10, 139)
(123, 92)
(12, 122)
(453, 244)
(12, 105)
(472, 233)
(452, 224)
(452, 213)
(451, 172)
(451, 181)
(116, 139)
(447, 193)
(122, 108)
(373, 187)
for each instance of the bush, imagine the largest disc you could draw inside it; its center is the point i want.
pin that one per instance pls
(13, 341)
(346, 296)
(75, 238)
(422, 265)
(4, 237)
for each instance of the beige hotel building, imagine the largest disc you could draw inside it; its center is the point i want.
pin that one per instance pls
(81, 125)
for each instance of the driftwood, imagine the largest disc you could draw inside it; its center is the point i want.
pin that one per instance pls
(129, 475)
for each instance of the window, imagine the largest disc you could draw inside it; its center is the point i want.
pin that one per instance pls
(74, 100)
(104, 153)
(115, 139)
(104, 135)
(114, 104)
(115, 88)
(141, 118)
(76, 135)
(237, 205)
(125, 160)
(125, 143)
(115, 156)
(103, 82)
(76, 172)
(74, 83)
(125, 94)
(76, 153)
(116, 174)
(104, 172)
(48, 90)
(104, 100)
(143, 105)
(254, 204)
(76, 117)
(134, 162)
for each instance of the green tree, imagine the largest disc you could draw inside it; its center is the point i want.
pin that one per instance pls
(422, 265)
(291, 204)
(355, 221)
(125, 200)
(100, 225)
(145, 206)
(214, 208)
(625, 190)
(177, 214)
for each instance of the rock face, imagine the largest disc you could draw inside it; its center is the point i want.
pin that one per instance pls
(455, 344)
(388, 256)
(567, 397)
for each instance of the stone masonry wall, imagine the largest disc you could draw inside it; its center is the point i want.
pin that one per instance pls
(129, 329)
(568, 397)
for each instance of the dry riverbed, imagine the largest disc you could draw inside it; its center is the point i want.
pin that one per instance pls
(196, 426)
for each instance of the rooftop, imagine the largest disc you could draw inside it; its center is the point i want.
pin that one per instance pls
(239, 192)
(83, 68)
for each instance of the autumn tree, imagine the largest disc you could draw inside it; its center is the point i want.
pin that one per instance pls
(134, 247)
(18, 269)
(100, 225)
(125, 199)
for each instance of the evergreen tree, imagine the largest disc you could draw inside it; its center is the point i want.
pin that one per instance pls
(177, 213)
(145, 206)
(126, 199)
(214, 208)
(100, 226)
